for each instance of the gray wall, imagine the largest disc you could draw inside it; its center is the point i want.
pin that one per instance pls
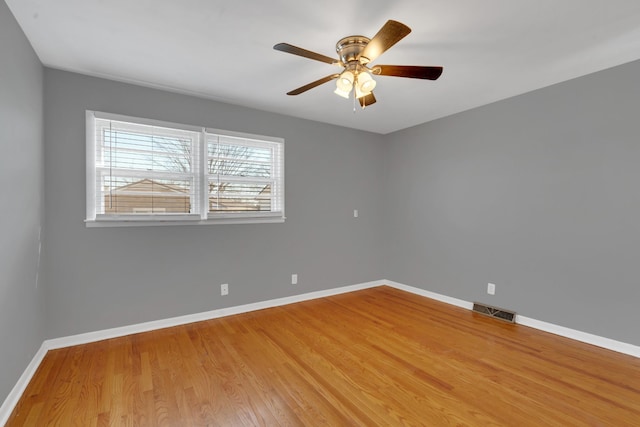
(21, 164)
(108, 277)
(538, 194)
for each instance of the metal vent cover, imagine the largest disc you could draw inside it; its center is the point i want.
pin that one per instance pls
(498, 313)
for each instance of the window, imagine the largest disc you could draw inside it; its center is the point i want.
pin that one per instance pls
(145, 172)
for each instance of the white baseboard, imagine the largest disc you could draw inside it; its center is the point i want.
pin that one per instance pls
(608, 343)
(618, 346)
(18, 389)
(438, 297)
(14, 395)
(198, 317)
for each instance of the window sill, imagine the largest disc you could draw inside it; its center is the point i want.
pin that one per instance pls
(161, 223)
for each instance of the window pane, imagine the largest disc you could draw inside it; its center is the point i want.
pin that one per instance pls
(240, 159)
(239, 197)
(137, 151)
(126, 195)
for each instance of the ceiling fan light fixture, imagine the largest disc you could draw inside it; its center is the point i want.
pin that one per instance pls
(345, 81)
(365, 83)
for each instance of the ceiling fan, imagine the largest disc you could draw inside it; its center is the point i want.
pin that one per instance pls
(355, 55)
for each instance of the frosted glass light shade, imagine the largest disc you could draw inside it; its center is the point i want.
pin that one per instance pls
(342, 93)
(365, 83)
(345, 81)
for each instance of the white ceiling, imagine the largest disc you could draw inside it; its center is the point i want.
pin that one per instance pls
(490, 49)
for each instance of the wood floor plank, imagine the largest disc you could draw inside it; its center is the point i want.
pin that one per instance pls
(374, 357)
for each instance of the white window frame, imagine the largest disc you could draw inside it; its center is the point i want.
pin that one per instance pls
(200, 179)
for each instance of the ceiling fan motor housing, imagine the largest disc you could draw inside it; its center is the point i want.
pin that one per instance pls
(349, 48)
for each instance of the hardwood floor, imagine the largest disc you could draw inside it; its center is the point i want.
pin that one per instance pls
(377, 357)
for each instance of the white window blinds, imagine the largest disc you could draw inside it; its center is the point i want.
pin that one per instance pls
(139, 170)
(243, 175)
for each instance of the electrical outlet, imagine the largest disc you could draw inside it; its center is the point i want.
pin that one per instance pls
(224, 289)
(294, 279)
(355, 213)
(491, 289)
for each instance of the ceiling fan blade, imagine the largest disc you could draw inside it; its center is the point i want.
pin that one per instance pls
(294, 50)
(367, 100)
(410, 71)
(390, 33)
(313, 84)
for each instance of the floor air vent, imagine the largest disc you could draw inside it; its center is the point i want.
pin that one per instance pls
(498, 313)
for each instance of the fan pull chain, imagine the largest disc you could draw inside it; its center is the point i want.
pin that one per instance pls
(354, 101)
